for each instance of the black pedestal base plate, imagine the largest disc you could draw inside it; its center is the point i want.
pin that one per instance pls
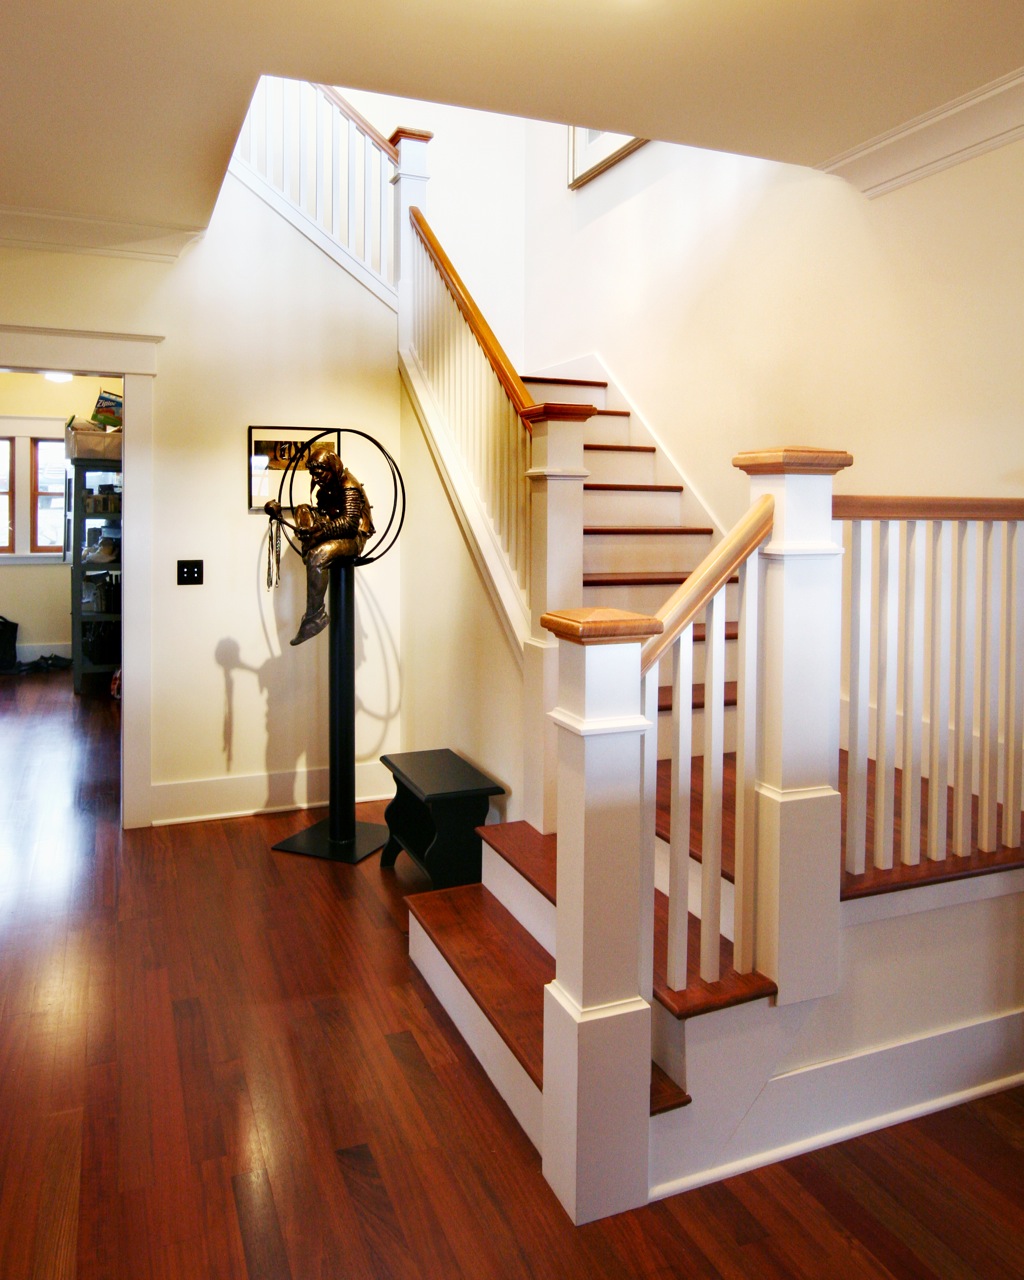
(316, 842)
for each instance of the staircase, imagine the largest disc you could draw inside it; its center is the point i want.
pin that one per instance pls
(557, 974)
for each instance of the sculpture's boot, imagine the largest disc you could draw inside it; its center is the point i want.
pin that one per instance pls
(315, 618)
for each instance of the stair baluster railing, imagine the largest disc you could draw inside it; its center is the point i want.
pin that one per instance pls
(935, 677)
(310, 155)
(703, 596)
(513, 469)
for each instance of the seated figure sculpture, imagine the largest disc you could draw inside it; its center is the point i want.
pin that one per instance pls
(336, 525)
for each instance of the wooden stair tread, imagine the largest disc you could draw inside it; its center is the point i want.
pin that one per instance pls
(536, 855)
(639, 578)
(523, 847)
(665, 696)
(619, 448)
(505, 970)
(529, 378)
(632, 488)
(631, 530)
(732, 988)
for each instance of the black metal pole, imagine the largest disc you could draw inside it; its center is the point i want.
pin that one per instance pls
(341, 702)
(339, 837)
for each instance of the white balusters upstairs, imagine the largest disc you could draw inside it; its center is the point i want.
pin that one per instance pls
(311, 156)
(941, 600)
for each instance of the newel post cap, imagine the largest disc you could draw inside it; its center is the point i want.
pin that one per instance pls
(600, 626)
(793, 460)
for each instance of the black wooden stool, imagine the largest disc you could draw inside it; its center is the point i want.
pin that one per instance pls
(439, 801)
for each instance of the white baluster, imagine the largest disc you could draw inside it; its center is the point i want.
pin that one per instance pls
(367, 203)
(940, 619)
(963, 683)
(988, 685)
(335, 187)
(913, 690)
(648, 837)
(1013, 683)
(679, 840)
(860, 695)
(886, 651)
(351, 239)
(746, 762)
(711, 828)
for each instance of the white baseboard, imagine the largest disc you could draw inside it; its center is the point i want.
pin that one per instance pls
(203, 799)
(830, 1102)
(29, 652)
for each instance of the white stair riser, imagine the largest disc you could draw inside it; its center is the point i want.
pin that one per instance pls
(618, 507)
(557, 393)
(618, 467)
(519, 898)
(608, 429)
(632, 552)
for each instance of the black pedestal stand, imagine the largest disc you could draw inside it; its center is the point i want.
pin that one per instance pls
(339, 837)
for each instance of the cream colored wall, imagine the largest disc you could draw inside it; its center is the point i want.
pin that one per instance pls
(745, 304)
(259, 328)
(475, 199)
(462, 685)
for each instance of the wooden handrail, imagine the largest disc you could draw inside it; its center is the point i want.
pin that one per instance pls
(360, 122)
(521, 399)
(713, 572)
(528, 409)
(848, 506)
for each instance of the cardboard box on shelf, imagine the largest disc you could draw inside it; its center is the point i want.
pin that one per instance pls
(83, 439)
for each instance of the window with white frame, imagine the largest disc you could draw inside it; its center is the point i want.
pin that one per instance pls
(32, 487)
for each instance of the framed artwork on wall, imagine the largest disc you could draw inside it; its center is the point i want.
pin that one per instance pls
(592, 151)
(271, 449)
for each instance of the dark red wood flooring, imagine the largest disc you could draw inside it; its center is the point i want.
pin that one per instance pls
(217, 1061)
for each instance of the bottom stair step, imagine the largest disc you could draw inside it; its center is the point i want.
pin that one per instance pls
(505, 971)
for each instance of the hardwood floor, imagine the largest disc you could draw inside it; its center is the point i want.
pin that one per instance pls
(217, 1061)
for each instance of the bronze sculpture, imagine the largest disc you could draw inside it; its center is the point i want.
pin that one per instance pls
(336, 526)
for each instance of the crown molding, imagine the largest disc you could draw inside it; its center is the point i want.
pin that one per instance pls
(984, 120)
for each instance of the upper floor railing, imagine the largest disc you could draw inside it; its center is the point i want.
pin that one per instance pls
(935, 677)
(312, 156)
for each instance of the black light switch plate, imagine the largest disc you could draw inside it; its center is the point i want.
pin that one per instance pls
(190, 573)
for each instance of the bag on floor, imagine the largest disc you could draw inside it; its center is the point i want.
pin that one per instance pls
(8, 644)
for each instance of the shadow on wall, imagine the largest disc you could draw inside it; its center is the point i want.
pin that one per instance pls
(291, 678)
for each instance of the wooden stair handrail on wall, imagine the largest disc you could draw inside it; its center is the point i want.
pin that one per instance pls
(714, 571)
(871, 507)
(523, 403)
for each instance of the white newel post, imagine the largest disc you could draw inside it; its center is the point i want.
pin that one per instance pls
(597, 1028)
(410, 183)
(556, 574)
(798, 802)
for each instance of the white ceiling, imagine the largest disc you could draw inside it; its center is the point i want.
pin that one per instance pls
(117, 118)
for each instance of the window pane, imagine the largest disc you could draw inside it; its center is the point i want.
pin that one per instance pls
(6, 532)
(50, 464)
(5, 465)
(50, 520)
